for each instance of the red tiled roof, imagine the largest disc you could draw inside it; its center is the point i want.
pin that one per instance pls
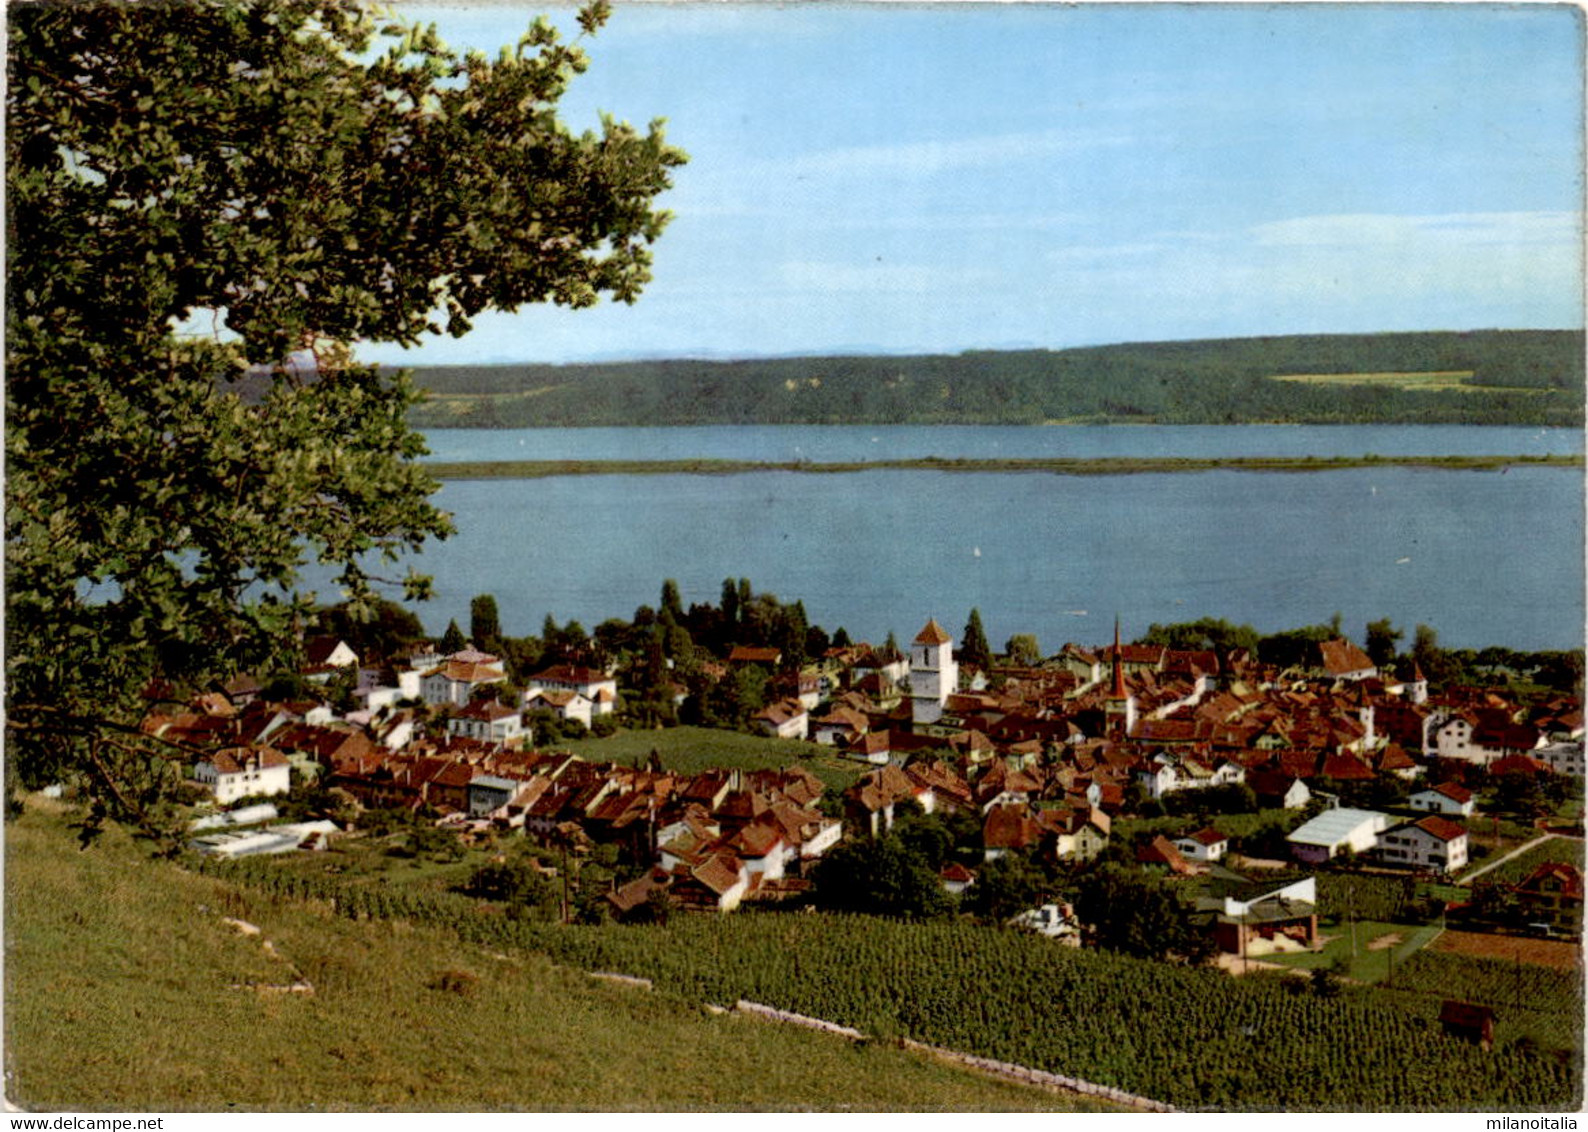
(1160, 851)
(1570, 879)
(747, 654)
(1454, 791)
(933, 634)
(1342, 656)
(1442, 828)
(570, 674)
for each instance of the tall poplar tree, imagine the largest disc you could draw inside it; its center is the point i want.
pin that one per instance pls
(973, 647)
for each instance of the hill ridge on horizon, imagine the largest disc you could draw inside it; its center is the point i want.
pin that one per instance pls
(1520, 377)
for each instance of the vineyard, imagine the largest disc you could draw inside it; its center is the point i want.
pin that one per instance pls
(1194, 1039)
(1518, 868)
(1535, 1004)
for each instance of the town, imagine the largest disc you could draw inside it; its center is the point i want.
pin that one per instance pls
(1038, 790)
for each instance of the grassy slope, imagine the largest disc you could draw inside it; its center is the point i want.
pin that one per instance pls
(117, 976)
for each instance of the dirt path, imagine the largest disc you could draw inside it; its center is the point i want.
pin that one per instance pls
(1518, 851)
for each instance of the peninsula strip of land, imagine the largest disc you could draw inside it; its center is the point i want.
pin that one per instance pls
(1106, 466)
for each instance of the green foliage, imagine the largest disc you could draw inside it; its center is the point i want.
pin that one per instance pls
(1138, 914)
(485, 624)
(1520, 377)
(1382, 899)
(1008, 885)
(208, 204)
(453, 639)
(1022, 649)
(383, 632)
(973, 647)
(1295, 648)
(1381, 642)
(1231, 798)
(885, 877)
(1204, 633)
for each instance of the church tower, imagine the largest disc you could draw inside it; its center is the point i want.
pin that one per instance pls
(1119, 709)
(934, 675)
(1417, 689)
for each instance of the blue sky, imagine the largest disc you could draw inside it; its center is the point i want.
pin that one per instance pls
(941, 177)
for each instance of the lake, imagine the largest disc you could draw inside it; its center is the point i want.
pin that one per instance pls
(1483, 557)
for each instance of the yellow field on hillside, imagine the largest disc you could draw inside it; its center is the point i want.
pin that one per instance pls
(1436, 381)
(1432, 381)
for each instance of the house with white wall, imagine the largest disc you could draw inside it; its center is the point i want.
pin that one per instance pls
(1434, 843)
(1448, 798)
(243, 772)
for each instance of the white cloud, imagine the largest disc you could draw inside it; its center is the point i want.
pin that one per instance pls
(928, 158)
(872, 278)
(1449, 229)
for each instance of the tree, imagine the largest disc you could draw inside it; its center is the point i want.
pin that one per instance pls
(208, 205)
(385, 632)
(1206, 633)
(1022, 649)
(453, 639)
(672, 602)
(1436, 664)
(973, 647)
(485, 626)
(1006, 886)
(883, 877)
(1382, 640)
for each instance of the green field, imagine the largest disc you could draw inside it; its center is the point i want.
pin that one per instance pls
(119, 997)
(1365, 952)
(1457, 380)
(692, 750)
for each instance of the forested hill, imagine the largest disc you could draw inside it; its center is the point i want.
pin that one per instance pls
(1517, 377)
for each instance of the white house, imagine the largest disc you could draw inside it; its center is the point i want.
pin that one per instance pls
(1056, 921)
(487, 720)
(1434, 842)
(1562, 758)
(1336, 831)
(454, 681)
(591, 683)
(1204, 845)
(489, 794)
(1484, 741)
(1340, 659)
(1445, 798)
(786, 719)
(564, 705)
(242, 772)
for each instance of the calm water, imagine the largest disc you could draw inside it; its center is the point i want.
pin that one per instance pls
(868, 442)
(1484, 557)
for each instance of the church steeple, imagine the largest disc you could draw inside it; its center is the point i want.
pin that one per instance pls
(1120, 707)
(1118, 692)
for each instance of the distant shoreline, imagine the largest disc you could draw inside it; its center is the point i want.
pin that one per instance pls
(1104, 466)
